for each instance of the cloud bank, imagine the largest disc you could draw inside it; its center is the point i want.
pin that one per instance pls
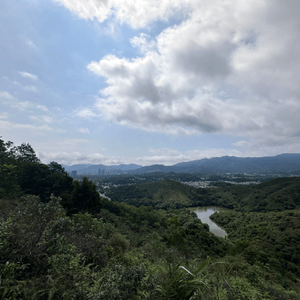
(230, 67)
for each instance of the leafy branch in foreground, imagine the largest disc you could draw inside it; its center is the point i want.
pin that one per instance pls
(182, 285)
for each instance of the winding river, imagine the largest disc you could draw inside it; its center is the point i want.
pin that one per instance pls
(203, 213)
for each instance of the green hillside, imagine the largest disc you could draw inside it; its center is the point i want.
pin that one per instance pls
(274, 195)
(263, 225)
(163, 194)
(272, 238)
(80, 246)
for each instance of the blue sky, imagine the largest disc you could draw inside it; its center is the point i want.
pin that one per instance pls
(150, 81)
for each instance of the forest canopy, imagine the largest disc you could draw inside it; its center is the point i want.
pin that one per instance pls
(22, 173)
(60, 240)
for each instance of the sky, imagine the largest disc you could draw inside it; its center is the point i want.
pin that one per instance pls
(150, 81)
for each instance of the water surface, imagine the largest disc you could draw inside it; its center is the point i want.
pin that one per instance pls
(203, 213)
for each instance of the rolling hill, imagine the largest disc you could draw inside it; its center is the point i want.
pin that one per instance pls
(283, 163)
(273, 195)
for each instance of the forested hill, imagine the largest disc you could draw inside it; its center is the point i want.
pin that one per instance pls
(162, 194)
(273, 195)
(284, 164)
(85, 247)
(276, 194)
(22, 173)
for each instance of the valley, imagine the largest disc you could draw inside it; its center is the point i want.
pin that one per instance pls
(60, 238)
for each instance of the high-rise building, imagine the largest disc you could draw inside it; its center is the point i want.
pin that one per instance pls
(74, 173)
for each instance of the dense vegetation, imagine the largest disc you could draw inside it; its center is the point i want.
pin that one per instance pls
(78, 247)
(22, 173)
(135, 253)
(271, 238)
(273, 195)
(163, 194)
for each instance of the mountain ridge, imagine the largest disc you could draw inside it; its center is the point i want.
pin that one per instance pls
(89, 168)
(287, 163)
(283, 163)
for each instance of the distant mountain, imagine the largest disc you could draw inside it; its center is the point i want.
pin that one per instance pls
(93, 169)
(152, 169)
(283, 163)
(75, 167)
(127, 167)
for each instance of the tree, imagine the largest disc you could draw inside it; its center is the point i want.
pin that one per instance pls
(21, 172)
(60, 181)
(84, 198)
(5, 153)
(25, 153)
(33, 179)
(55, 167)
(43, 180)
(8, 180)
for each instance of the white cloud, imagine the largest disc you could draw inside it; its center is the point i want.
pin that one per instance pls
(64, 145)
(31, 44)
(42, 107)
(6, 95)
(99, 9)
(30, 88)
(136, 13)
(143, 43)
(164, 151)
(61, 130)
(163, 156)
(43, 119)
(71, 158)
(86, 113)
(84, 130)
(22, 105)
(171, 157)
(47, 119)
(6, 125)
(29, 75)
(3, 115)
(231, 67)
(242, 143)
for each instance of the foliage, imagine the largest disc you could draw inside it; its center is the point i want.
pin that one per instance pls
(159, 195)
(21, 172)
(29, 232)
(83, 198)
(271, 238)
(82, 251)
(273, 195)
(119, 282)
(46, 254)
(180, 283)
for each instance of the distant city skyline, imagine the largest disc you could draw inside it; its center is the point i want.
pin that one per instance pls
(150, 82)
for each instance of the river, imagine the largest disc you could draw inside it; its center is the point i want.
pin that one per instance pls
(203, 213)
